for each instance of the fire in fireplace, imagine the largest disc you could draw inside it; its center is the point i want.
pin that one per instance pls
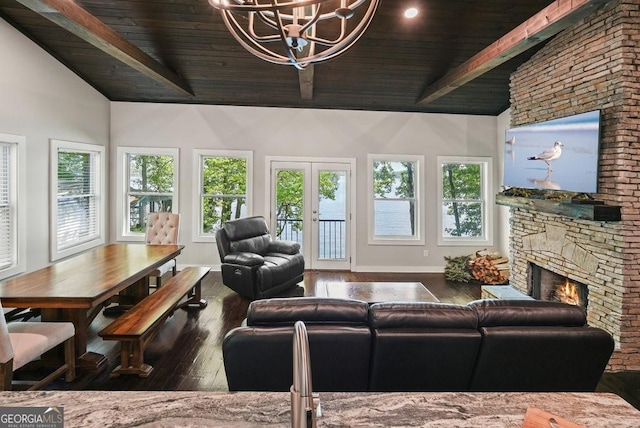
(547, 285)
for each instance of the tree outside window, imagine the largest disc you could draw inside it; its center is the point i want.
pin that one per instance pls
(290, 199)
(223, 188)
(463, 184)
(147, 183)
(151, 180)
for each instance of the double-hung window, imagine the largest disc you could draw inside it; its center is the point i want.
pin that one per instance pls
(148, 182)
(465, 201)
(77, 187)
(395, 202)
(12, 201)
(222, 189)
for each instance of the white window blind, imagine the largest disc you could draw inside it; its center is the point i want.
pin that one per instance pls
(78, 191)
(8, 253)
(77, 207)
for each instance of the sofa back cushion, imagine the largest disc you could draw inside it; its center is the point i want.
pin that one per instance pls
(541, 359)
(527, 313)
(261, 358)
(537, 346)
(310, 310)
(422, 346)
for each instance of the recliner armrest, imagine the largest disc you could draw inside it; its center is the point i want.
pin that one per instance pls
(284, 247)
(244, 259)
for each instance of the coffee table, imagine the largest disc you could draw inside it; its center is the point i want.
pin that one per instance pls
(375, 292)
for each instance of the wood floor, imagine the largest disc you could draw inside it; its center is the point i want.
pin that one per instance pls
(186, 354)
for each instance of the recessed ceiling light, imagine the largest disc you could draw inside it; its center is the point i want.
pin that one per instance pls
(412, 12)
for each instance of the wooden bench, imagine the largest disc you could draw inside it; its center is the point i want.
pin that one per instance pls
(136, 327)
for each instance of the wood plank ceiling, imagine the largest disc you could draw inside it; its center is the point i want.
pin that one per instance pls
(181, 52)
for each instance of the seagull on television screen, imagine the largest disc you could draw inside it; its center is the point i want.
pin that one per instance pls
(511, 140)
(549, 154)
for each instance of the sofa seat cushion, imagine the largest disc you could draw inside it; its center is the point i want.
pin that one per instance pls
(278, 268)
(244, 259)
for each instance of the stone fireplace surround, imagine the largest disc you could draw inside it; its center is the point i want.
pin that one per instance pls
(591, 65)
(580, 250)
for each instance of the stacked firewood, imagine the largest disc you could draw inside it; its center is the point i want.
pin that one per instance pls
(489, 268)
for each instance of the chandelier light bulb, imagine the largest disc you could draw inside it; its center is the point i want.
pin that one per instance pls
(296, 32)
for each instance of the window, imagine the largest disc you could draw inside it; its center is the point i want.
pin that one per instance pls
(77, 186)
(465, 214)
(147, 182)
(12, 201)
(223, 189)
(395, 214)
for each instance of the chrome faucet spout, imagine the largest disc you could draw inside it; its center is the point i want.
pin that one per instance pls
(302, 407)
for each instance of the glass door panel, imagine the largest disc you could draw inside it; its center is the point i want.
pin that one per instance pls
(310, 205)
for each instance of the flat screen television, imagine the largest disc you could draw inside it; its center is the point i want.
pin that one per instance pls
(559, 154)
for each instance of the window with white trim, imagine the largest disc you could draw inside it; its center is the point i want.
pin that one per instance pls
(147, 182)
(12, 205)
(223, 189)
(77, 187)
(395, 202)
(466, 204)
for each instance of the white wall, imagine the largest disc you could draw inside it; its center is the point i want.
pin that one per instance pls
(302, 132)
(502, 219)
(41, 99)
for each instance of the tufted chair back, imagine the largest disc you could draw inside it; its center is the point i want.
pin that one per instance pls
(162, 228)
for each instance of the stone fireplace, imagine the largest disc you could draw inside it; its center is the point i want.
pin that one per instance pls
(591, 65)
(580, 250)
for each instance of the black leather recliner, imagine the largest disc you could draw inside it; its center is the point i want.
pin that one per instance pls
(253, 264)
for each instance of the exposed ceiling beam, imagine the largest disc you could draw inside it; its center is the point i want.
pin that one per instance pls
(540, 27)
(306, 82)
(306, 76)
(73, 18)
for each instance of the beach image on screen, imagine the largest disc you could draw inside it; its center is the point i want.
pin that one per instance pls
(560, 154)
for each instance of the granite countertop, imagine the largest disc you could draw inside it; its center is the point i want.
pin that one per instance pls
(272, 409)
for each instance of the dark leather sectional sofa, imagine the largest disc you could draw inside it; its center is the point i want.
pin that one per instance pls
(487, 345)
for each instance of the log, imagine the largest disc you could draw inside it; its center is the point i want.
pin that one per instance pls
(489, 268)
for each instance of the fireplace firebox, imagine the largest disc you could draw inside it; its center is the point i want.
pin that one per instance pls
(544, 284)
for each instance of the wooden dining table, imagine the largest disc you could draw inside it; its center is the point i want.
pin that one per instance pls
(77, 288)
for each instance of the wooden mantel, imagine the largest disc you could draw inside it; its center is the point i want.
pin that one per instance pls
(594, 210)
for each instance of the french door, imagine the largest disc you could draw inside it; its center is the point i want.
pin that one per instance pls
(311, 204)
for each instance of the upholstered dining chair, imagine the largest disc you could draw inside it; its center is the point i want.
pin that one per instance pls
(24, 342)
(163, 229)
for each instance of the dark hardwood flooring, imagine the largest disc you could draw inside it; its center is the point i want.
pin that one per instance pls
(186, 354)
